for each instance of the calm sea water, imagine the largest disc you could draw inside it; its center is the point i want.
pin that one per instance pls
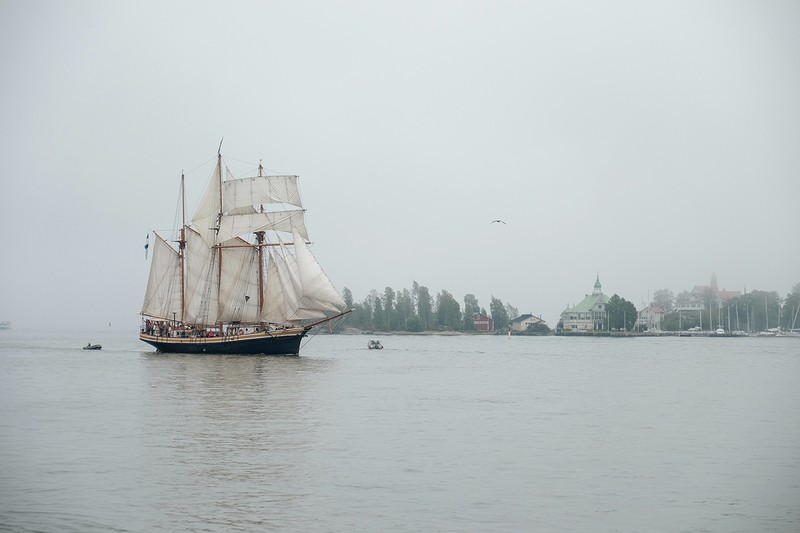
(429, 434)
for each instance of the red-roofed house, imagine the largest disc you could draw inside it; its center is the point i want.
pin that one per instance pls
(699, 291)
(482, 322)
(650, 317)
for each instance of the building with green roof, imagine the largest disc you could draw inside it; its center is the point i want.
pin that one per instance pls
(590, 314)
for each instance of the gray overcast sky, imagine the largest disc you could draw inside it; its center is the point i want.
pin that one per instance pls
(652, 142)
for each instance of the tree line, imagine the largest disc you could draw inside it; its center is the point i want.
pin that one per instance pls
(416, 310)
(754, 311)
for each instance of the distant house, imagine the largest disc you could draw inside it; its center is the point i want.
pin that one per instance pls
(650, 318)
(700, 291)
(522, 322)
(482, 322)
(697, 297)
(590, 314)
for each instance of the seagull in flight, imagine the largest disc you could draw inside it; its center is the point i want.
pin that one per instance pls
(498, 220)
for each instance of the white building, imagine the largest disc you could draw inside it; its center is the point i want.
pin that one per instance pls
(650, 318)
(522, 322)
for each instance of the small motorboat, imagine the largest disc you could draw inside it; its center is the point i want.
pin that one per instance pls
(91, 346)
(375, 345)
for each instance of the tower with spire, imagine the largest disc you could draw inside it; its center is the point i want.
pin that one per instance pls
(598, 289)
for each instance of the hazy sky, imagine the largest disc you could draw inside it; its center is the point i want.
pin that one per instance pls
(652, 142)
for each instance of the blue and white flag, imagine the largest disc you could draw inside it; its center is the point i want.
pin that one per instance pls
(146, 246)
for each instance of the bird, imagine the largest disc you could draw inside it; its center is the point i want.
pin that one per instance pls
(498, 220)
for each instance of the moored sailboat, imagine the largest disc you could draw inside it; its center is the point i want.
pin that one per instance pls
(239, 277)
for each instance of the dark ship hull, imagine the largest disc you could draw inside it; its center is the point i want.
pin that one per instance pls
(286, 342)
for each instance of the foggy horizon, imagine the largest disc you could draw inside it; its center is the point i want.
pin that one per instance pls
(653, 144)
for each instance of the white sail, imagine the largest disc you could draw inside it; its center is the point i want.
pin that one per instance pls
(232, 226)
(206, 217)
(202, 280)
(280, 287)
(163, 295)
(247, 192)
(319, 295)
(291, 304)
(239, 286)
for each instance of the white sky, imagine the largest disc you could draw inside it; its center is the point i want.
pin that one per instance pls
(652, 142)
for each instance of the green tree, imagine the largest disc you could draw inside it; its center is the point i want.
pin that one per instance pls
(347, 296)
(448, 312)
(378, 315)
(758, 310)
(629, 314)
(748, 308)
(621, 313)
(683, 298)
(362, 316)
(415, 324)
(772, 304)
(404, 309)
(710, 304)
(664, 299)
(424, 306)
(790, 314)
(499, 314)
(680, 320)
(471, 308)
(388, 308)
(511, 311)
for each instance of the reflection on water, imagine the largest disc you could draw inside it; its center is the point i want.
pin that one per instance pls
(244, 427)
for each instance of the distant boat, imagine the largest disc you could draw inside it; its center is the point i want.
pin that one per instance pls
(91, 346)
(375, 345)
(239, 278)
(5, 325)
(719, 331)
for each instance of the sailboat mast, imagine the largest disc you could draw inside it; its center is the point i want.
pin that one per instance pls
(260, 253)
(219, 175)
(219, 220)
(182, 247)
(738, 327)
(747, 312)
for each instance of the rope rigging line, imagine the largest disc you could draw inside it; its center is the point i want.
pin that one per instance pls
(200, 166)
(244, 280)
(337, 323)
(204, 306)
(268, 170)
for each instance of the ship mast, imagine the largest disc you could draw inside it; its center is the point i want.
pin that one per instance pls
(219, 216)
(260, 253)
(182, 247)
(219, 168)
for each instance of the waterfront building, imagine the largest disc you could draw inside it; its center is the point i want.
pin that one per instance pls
(522, 322)
(650, 318)
(696, 299)
(482, 322)
(590, 314)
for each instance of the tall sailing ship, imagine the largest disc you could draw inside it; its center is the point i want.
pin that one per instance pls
(239, 276)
